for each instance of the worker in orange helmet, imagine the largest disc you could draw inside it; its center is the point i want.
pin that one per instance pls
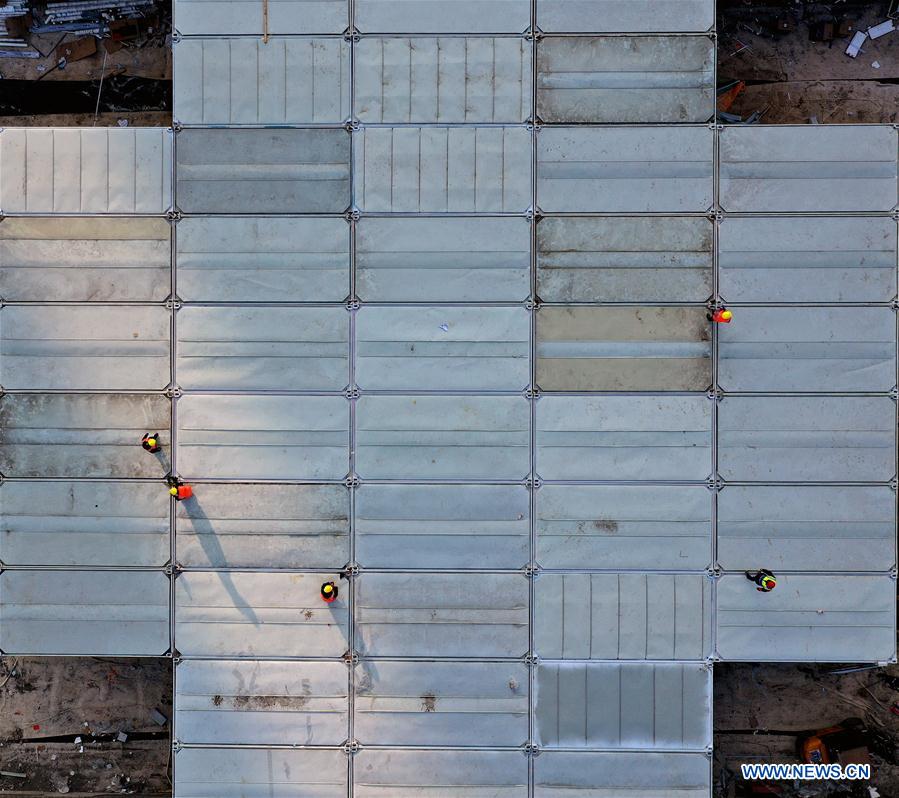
(329, 592)
(765, 581)
(150, 442)
(179, 489)
(721, 316)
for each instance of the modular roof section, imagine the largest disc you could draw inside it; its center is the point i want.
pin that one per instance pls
(361, 345)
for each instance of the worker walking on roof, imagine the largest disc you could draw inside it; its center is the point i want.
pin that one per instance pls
(150, 442)
(329, 592)
(764, 579)
(720, 316)
(179, 489)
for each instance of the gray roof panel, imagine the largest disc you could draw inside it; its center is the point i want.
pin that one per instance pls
(623, 349)
(807, 528)
(565, 774)
(442, 526)
(441, 615)
(441, 703)
(624, 259)
(261, 702)
(442, 169)
(442, 16)
(96, 613)
(442, 348)
(624, 170)
(441, 774)
(84, 524)
(827, 439)
(85, 348)
(442, 260)
(264, 526)
(808, 349)
(442, 437)
(626, 79)
(634, 705)
(807, 260)
(624, 438)
(234, 614)
(68, 170)
(626, 526)
(450, 79)
(625, 16)
(268, 348)
(263, 437)
(622, 616)
(244, 17)
(808, 168)
(48, 259)
(271, 171)
(250, 82)
(260, 773)
(258, 259)
(96, 435)
(808, 618)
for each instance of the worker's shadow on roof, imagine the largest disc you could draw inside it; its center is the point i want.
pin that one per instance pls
(209, 542)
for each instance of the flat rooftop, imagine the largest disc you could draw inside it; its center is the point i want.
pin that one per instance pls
(417, 301)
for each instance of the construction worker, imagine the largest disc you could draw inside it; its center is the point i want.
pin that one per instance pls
(765, 581)
(720, 316)
(179, 489)
(150, 442)
(329, 592)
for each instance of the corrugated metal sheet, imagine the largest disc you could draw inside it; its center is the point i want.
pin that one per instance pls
(97, 613)
(624, 170)
(808, 168)
(609, 706)
(442, 526)
(829, 439)
(450, 79)
(249, 82)
(624, 438)
(272, 171)
(622, 616)
(265, 526)
(815, 618)
(624, 259)
(442, 615)
(443, 348)
(625, 16)
(89, 170)
(65, 435)
(623, 349)
(807, 260)
(258, 259)
(442, 437)
(463, 170)
(808, 349)
(85, 260)
(633, 527)
(84, 524)
(562, 774)
(251, 772)
(441, 703)
(626, 79)
(261, 702)
(85, 348)
(807, 528)
(225, 17)
(442, 260)
(439, 16)
(410, 774)
(263, 437)
(252, 349)
(232, 614)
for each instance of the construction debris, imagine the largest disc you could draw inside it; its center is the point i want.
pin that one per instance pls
(855, 46)
(882, 29)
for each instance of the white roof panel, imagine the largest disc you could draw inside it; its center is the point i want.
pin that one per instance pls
(625, 16)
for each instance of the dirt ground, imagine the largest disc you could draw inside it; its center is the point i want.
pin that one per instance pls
(761, 712)
(48, 702)
(793, 79)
